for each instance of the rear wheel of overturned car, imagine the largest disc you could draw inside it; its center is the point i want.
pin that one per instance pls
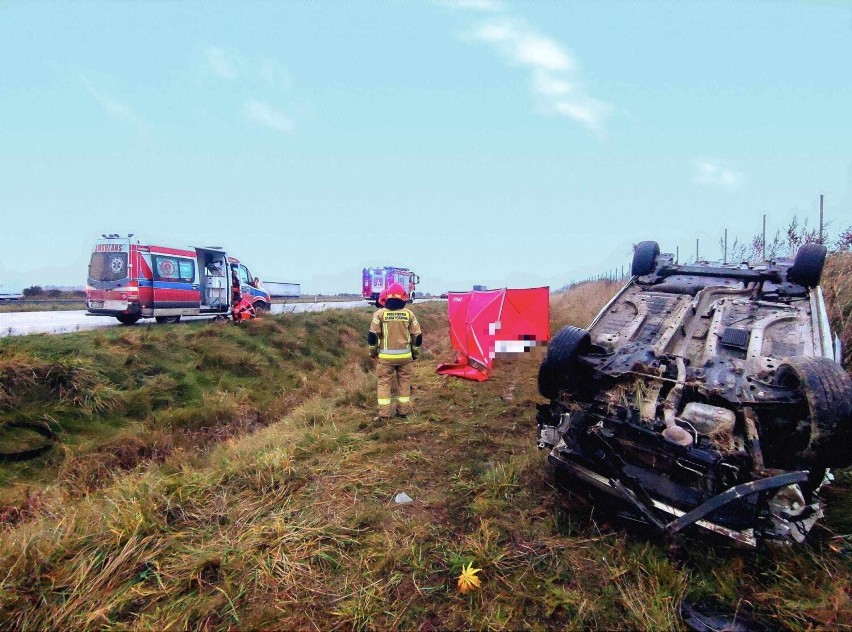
(827, 389)
(127, 319)
(807, 267)
(645, 258)
(167, 320)
(560, 370)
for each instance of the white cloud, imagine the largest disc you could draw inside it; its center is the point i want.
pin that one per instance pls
(524, 46)
(713, 173)
(554, 72)
(112, 106)
(267, 115)
(220, 64)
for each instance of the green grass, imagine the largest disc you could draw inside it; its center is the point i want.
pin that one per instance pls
(263, 498)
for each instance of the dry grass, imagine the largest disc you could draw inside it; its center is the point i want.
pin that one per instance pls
(292, 526)
(837, 287)
(581, 302)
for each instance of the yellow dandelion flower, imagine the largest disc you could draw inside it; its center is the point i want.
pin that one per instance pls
(468, 580)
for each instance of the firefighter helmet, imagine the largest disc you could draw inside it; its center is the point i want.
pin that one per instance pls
(397, 290)
(383, 296)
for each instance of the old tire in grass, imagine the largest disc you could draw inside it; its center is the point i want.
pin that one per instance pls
(560, 370)
(645, 258)
(827, 389)
(807, 267)
(167, 320)
(128, 319)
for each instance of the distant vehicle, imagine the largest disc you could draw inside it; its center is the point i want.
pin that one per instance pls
(374, 280)
(479, 288)
(704, 397)
(277, 289)
(130, 281)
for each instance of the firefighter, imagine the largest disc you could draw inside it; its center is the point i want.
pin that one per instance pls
(394, 340)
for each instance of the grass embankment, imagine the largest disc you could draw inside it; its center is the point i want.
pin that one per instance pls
(294, 525)
(837, 287)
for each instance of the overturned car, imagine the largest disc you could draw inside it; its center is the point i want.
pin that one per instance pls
(703, 397)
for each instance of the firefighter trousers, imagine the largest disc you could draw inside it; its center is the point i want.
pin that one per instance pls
(385, 373)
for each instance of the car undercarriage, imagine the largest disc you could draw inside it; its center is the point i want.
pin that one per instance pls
(703, 397)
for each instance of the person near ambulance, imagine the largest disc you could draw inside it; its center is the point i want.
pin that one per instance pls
(236, 290)
(243, 311)
(394, 338)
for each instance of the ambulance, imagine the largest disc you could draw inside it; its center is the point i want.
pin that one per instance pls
(374, 280)
(129, 281)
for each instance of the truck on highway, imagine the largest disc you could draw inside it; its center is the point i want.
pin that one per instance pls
(279, 289)
(129, 280)
(374, 280)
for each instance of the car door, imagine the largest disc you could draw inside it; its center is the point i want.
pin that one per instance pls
(176, 288)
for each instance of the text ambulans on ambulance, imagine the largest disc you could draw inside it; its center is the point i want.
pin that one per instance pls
(129, 281)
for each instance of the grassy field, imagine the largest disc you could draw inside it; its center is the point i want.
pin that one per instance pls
(41, 306)
(215, 476)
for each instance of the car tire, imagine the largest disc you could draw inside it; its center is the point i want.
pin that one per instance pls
(645, 258)
(827, 389)
(262, 306)
(128, 319)
(558, 371)
(807, 267)
(167, 320)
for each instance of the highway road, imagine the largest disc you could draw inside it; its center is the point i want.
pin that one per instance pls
(61, 322)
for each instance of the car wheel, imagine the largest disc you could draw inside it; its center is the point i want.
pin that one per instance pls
(127, 319)
(559, 370)
(827, 389)
(645, 258)
(262, 306)
(167, 320)
(807, 267)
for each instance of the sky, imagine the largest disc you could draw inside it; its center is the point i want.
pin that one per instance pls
(474, 141)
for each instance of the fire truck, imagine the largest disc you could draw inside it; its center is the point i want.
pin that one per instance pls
(374, 280)
(129, 280)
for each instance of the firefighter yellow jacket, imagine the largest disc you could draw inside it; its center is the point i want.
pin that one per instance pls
(396, 330)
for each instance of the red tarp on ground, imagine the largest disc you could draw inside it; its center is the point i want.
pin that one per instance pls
(483, 323)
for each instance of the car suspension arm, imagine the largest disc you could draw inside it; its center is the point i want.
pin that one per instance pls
(740, 491)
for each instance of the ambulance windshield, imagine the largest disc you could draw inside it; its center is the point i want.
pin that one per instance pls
(108, 266)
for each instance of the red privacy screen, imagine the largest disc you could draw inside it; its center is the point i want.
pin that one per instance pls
(484, 323)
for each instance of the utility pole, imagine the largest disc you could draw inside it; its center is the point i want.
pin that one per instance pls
(821, 239)
(764, 237)
(677, 254)
(696, 250)
(725, 258)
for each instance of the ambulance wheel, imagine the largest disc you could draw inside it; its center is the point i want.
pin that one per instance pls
(127, 319)
(167, 320)
(262, 306)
